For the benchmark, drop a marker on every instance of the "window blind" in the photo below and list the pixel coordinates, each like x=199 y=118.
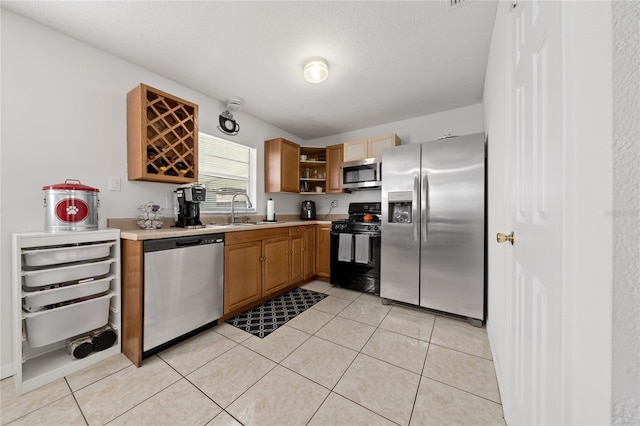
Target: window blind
x=225 y=168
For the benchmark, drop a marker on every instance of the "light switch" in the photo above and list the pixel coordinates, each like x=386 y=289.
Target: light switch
x=114 y=183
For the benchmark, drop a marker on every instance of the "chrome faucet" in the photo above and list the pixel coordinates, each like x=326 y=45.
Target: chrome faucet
x=248 y=205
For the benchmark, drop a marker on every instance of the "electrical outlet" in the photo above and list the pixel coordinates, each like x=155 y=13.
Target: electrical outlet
x=334 y=203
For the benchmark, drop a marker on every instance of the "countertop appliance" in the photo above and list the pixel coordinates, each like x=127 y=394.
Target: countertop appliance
x=308 y=210
x=433 y=240
x=183 y=288
x=187 y=199
x=362 y=174
x=355 y=249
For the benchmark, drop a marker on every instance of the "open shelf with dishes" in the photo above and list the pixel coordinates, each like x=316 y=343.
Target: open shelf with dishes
x=162 y=136
x=313 y=170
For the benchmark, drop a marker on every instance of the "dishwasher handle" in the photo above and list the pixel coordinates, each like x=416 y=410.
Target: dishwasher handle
x=189 y=243
x=181 y=242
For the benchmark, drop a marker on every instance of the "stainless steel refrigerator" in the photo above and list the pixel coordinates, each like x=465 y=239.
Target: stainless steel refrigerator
x=433 y=225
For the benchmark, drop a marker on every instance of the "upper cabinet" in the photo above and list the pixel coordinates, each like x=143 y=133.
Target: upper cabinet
x=313 y=169
x=334 y=162
x=281 y=166
x=289 y=167
x=367 y=148
x=162 y=137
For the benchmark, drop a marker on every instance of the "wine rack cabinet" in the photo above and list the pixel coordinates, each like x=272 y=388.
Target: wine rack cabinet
x=162 y=137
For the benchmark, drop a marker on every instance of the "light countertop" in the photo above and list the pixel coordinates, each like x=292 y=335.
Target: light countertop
x=130 y=231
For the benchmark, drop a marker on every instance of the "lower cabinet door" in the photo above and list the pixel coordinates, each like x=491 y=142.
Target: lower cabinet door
x=309 y=254
x=242 y=274
x=297 y=258
x=323 y=251
x=275 y=264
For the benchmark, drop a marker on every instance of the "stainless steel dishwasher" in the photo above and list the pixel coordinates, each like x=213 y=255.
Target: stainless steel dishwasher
x=183 y=287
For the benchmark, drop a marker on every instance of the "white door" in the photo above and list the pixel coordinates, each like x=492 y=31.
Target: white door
x=534 y=394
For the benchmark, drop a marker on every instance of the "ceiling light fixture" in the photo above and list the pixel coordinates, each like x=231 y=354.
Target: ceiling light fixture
x=316 y=70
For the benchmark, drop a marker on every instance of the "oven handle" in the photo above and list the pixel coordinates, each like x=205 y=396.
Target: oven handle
x=414 y=203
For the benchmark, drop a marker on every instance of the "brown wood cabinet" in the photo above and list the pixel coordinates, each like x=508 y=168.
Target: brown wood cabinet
x=275 y=264
x=303 y=253
x=132 y=253
x=323 y=250
x=256 y=267
x=242 y=274
x=309 y=252
x=334 y=174
x=289 y=167
x=281 y=161
x=297 y=254
x=162 y=137
x=313 y=169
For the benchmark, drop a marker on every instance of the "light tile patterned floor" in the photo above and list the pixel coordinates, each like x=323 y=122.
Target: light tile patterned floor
x=349 y=360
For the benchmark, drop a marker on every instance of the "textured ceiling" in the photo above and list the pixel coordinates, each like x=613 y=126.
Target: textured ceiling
x=388 y=60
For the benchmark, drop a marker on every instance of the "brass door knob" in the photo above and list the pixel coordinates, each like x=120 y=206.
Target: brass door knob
x=502 y=238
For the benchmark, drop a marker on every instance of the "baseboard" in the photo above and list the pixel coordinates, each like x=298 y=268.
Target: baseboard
x=6 y=370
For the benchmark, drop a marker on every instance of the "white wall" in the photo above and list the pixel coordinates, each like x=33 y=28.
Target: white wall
x=496 y=108
x=626 y=213
x=64 y=116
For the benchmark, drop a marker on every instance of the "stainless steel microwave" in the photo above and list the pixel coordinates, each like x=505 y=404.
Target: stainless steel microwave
x=362 y=174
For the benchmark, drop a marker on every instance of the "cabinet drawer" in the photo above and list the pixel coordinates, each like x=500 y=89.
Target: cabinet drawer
x=239 y=237
x=57 y=255
x=65 y=274
x=57 y=324
x=33 y=300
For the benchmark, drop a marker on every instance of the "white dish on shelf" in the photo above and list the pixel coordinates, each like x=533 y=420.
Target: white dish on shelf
x=65 y=254
x=63 y=274
x=36 y=299
x=54 y=325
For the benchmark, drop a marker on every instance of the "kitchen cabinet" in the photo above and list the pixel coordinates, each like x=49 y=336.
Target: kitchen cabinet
x=334 y=157
x=313 y=169
x=66 y=285
x=243 y=274
x=289 y=167
x=303 y=241
x=256 y=267
x=323 y=250
x=162 y=137
x=281 y=166
x=367 y=148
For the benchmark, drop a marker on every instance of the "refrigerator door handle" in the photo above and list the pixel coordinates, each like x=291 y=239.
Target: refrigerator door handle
x=424 y=207
x=414 y=208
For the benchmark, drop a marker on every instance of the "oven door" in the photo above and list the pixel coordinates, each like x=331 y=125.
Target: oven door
x=355 y=261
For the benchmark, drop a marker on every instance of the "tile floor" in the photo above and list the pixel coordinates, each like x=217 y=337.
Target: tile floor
x=349 y=360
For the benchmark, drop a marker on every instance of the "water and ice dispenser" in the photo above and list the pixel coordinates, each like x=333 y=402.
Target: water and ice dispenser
x=400 y=207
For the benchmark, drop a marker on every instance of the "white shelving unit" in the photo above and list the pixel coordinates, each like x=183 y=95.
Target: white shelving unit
x=56 y=267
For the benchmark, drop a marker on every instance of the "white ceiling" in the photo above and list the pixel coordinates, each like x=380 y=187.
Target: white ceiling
x=388 y=60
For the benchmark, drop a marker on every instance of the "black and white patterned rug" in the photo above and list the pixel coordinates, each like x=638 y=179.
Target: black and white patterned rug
x=272 y=314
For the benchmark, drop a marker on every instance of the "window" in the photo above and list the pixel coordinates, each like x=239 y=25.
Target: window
x=226 y=168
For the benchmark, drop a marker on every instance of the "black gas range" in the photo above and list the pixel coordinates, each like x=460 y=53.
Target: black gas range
x=355 y=248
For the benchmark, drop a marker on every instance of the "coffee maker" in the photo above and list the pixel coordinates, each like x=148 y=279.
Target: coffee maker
x=187 y=200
